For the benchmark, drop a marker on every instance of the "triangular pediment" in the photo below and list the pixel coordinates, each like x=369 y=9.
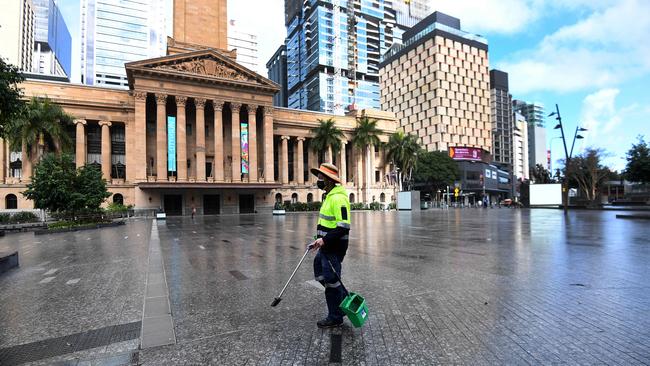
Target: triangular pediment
x=208 y=65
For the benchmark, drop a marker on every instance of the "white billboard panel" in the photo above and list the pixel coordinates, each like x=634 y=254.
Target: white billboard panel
x=545 y=194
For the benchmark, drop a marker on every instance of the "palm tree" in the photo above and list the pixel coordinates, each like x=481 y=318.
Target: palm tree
x=364 y=138
x=40 y=127
x=326 y=137
x=402 y=151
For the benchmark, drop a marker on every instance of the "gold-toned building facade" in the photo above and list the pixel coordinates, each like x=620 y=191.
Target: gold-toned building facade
x=438 y=85
x=200 y=108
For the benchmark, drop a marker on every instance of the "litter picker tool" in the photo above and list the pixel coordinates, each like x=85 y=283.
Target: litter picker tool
x=277 y=300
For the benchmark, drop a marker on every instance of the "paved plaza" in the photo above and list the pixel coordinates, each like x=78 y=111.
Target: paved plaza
x=459 y=286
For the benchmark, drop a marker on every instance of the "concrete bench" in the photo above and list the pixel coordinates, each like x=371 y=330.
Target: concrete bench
x=8 y=261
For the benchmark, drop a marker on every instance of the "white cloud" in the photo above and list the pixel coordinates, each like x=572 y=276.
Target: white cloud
x=494 y=16
x=606 y=48
x=599 y=114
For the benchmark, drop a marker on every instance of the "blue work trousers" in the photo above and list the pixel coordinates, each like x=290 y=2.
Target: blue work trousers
x=334 y=290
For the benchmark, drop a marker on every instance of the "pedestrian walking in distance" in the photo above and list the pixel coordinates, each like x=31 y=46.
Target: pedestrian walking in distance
x=332 y=241
x=193 y=212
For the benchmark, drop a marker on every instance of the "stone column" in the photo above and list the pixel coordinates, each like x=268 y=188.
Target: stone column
x=285 y=160
x=252 y=143
x=200 y=139
x=161 y=137
x=268 y=144
x=218 y=140
x=358 y=167
x=80 y=140
x=26 y=174
x=139 y=169
x=301 y=162
x=181 y=139
x=312 y=157
x=106 y=149
x=3 y=161
x=371 y=166
x=342 y=166
x=236 y=142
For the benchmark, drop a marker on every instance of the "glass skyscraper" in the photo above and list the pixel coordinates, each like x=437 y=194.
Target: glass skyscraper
x=333 y=50
x=52 y=40
x=114 y=32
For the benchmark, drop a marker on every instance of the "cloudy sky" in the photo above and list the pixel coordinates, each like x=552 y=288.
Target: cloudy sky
x=591 y=57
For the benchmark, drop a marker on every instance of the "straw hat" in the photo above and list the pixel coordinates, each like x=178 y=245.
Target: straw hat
x=328 y=170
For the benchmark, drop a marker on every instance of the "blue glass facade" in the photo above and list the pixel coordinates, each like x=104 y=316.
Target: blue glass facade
x=52 y=35
x=333 y=50
x=116 y=32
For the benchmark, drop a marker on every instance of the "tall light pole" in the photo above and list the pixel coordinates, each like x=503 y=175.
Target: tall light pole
x=565 y=183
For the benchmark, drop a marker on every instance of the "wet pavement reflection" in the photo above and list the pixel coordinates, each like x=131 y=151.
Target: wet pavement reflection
x=459 y=286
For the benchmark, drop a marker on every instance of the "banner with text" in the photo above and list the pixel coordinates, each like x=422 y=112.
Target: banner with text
x=244 y=147
x=171 y=143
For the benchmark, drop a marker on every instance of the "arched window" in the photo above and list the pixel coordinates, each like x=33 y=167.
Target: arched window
x=294 y=198
x=278 y=198
x=310 y=197
x=118 y=198
x=11 y=202
x=351 y=197
x=382 y=198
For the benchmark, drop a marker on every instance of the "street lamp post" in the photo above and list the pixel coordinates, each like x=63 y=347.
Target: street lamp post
x=567 y=154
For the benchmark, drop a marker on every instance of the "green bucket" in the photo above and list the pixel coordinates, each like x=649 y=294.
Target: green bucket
x=354 y=306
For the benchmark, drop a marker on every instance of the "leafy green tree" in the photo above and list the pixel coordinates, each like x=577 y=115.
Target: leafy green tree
x=436 y=170
x=540 y=175
x=326 y=137
x=588 y=171
x=402 y=151
x=60 y=188
x=52 y=184
x=638 y=162
x=42 y=127
x=365 y=137
x=11 y=104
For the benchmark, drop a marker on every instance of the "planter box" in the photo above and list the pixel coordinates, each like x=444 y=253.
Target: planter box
x=161 y=216
x=279 y=212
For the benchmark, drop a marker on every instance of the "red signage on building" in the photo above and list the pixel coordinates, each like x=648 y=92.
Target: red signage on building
x=466 y=153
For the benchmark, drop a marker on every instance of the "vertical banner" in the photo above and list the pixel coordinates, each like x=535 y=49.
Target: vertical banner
x=171 y=143
x=244 y=147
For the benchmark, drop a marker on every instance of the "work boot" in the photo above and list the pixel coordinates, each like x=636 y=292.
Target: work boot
x=329 y=323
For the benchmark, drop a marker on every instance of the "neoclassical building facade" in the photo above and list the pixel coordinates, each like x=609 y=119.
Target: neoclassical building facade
x=197 y=130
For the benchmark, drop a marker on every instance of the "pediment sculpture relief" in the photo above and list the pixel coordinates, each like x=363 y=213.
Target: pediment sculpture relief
x=207 y=67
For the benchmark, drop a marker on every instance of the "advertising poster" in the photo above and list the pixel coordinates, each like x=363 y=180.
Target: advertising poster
x=465 y=153
x=244 y=147
x=171 y=143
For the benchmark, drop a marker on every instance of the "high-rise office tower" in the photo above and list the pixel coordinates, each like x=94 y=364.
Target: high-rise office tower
x=520 y=167
x=17 y=33
x=534 y=115
x=333 y=52
x=114 y=32
x=532 y=112
x=52 y=40
x=407 y=14
x=245 y=43
x=501 y=118
x=437 y=84
x=277 y=70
